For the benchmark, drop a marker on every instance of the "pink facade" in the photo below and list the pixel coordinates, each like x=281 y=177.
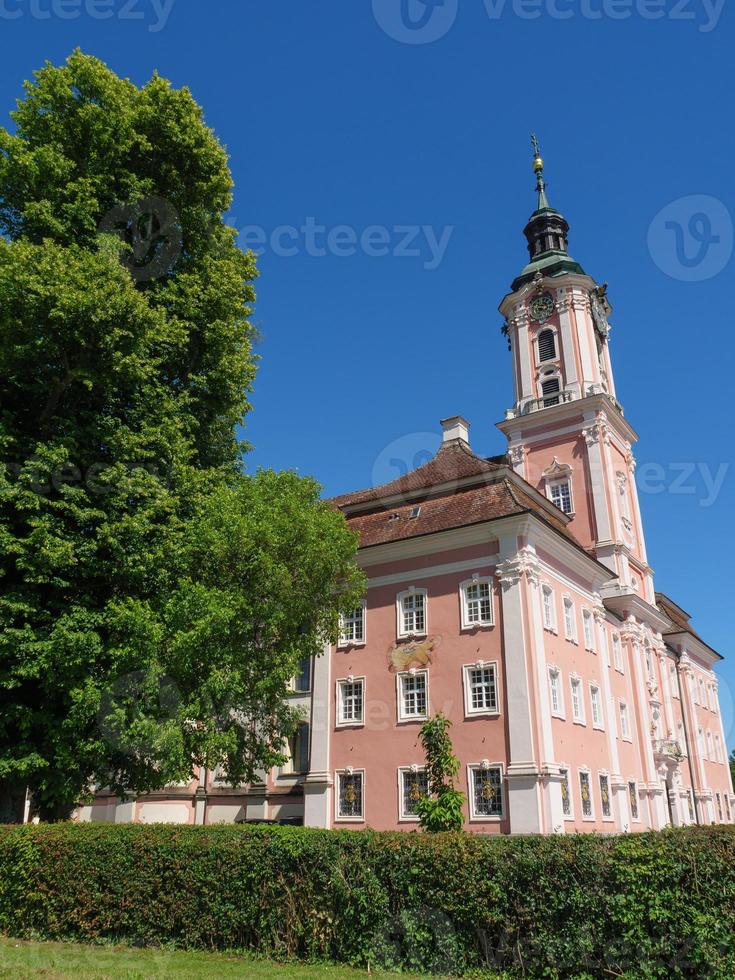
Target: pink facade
x=515 y=596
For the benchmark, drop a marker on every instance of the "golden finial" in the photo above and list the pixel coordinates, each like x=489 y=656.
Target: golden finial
x=538 y=163
x=538 y=169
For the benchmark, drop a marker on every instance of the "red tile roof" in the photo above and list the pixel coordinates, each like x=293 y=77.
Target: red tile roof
x=441 y=495
x=454 y=461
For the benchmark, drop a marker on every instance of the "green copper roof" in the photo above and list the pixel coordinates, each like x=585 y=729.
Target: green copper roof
x=548 y=264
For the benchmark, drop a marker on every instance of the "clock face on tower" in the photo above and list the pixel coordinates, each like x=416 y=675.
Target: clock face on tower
x=541 y=307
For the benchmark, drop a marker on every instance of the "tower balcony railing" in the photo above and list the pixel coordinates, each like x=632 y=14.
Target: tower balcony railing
x=537 y=404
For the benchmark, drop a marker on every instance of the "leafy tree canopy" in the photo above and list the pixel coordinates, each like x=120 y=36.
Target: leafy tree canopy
x=154 y=600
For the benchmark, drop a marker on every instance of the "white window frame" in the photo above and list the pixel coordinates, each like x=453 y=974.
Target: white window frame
x=575 y=681
x=591 y=818
x=346 y=641
x=467 y=623
x=483 y=817
x=588 y=629
x=624 y=712
x=563 y=767
x=548 y=608
x=570 y=619
x=599 y=725
x=604 y=774
x=342 y=722
x=718 y=748
x=617 y=646
x=467 y=685
x=412 y=592
x=702 y=693
x=403 y=718
x=339 y=773
x=674 y=681
x=402 y=772
x=710 y=746
x=700 y=742
x=552 y=485
x=555 y=672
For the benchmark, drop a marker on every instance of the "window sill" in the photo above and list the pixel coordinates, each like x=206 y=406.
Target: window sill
x=551 y=629
x=559 y=716
x=411 y=636
x=351 y=645
x=486 y=819
x=349 y=724
x=474 y=627
x=599 y=728
x=413 y=719
x=579 y=721
x=349 y=819
x=482 y=713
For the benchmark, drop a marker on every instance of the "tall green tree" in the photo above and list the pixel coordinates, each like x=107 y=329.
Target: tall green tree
x=442 y=808
x=154 y=600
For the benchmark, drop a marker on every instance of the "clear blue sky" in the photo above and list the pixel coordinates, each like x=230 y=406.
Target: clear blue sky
x=329 y=115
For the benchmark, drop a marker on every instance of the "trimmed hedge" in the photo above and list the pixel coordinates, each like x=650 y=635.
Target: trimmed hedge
x=648 y=905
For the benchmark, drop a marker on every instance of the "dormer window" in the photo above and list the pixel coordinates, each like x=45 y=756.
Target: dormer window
x=546 y=345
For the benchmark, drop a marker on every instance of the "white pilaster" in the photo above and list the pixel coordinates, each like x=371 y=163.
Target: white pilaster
x=318 y=782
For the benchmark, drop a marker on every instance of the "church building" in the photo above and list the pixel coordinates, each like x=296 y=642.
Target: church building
x=514 y=594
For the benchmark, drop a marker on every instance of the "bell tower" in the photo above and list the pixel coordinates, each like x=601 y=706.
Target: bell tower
x=567 y=431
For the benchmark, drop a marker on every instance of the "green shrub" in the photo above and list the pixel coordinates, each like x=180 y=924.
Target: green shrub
x=639 y=906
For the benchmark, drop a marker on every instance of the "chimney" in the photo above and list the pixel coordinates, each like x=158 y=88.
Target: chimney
x=455 y=429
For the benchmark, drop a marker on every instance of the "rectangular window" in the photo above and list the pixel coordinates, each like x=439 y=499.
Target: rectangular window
x=702 y=695
x=414 y=784
x=674 y=681
x=477 y=603
x=557 y=707
x=633 y=795
x=710 y=753
x=718 y=749
x=617 y=652
x=561 y=495
x=302 y=680
x=570 y=628
x=700 y=743
x=719 y=807
x=486 y=791
x=690 y=803
x=727 y=807
x=548 y=606
x=577 y=703
x=589 y=640
x=585 y=792
x=681 y=739
x=351 y=701
x=624 y=721
x=412 y=613
x=298 y=750
x=566 y=798
x=481 y=689
x=350 y=795
x=596 y=703
x=412 y=696
x=605 y=796
x=352 y=627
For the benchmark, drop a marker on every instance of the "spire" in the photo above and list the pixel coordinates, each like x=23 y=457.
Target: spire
x=538 y=169
x=546 y=233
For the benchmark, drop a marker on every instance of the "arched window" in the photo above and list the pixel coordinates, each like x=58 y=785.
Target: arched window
x=546 y=345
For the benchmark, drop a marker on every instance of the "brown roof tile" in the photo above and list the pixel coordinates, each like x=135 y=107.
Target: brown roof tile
x=454 y=461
